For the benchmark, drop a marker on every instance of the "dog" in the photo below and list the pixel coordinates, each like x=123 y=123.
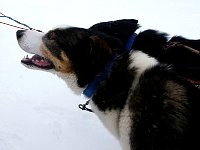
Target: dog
x=141 y=94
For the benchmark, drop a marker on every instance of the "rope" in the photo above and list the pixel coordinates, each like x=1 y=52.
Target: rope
x=13 y=25
x=25 y=25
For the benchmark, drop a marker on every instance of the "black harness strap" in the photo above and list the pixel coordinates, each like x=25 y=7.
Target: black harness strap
x=195 y=82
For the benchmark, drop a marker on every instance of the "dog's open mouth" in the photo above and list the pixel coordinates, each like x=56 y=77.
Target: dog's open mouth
x=38 y=61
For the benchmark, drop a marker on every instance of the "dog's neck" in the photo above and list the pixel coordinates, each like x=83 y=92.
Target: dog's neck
x=71 y=81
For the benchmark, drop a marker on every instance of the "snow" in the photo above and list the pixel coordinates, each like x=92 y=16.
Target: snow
x=37 y=110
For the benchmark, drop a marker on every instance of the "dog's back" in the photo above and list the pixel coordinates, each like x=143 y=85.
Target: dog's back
x=164 y=112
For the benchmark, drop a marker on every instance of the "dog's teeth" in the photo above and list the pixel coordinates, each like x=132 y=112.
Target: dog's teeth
x=25 y=58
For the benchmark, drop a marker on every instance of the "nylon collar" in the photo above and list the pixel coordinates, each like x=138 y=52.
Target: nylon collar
x=92 y=86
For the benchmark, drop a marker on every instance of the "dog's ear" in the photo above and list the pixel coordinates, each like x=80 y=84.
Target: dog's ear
x=122 y=29
x=98 y=52
x=100 y=48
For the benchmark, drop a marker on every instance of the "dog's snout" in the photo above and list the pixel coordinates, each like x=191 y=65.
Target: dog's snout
x=20 y=33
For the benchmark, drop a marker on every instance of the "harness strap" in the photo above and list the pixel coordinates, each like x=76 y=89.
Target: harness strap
x=195 y=82
x=92 y=86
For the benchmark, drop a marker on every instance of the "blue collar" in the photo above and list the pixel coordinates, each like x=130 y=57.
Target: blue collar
x=92 y=86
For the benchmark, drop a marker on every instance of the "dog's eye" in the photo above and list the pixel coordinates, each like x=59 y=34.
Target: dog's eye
x=51 y=36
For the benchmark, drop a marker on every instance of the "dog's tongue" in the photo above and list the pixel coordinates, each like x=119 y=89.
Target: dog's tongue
x=37 y=61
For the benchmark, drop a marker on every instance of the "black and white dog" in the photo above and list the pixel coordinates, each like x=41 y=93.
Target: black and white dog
x=142 y=96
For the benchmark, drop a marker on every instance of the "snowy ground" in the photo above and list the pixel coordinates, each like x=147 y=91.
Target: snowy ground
x=37 y=110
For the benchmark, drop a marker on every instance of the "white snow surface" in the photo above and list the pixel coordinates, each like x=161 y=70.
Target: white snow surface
x=37 y=110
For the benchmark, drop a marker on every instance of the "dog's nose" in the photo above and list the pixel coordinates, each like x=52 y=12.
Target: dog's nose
x=20 y=33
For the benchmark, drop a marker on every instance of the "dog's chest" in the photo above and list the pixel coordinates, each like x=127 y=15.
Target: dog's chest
x=117 y=121
x=110 y=118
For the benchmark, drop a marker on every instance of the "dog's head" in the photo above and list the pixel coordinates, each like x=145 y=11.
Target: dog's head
x=82 y=52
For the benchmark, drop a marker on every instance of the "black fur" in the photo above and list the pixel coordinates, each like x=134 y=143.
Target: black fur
x=114 y=90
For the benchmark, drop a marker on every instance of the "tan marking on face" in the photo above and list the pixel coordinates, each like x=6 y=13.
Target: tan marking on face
x=63 y=65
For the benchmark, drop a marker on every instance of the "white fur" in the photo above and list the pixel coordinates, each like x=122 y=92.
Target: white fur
x=31 y=42
x=118 y=123
x=109 y=118
x=125 y=127
x=62 y=26
x=71 y=81
x=141 y=61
